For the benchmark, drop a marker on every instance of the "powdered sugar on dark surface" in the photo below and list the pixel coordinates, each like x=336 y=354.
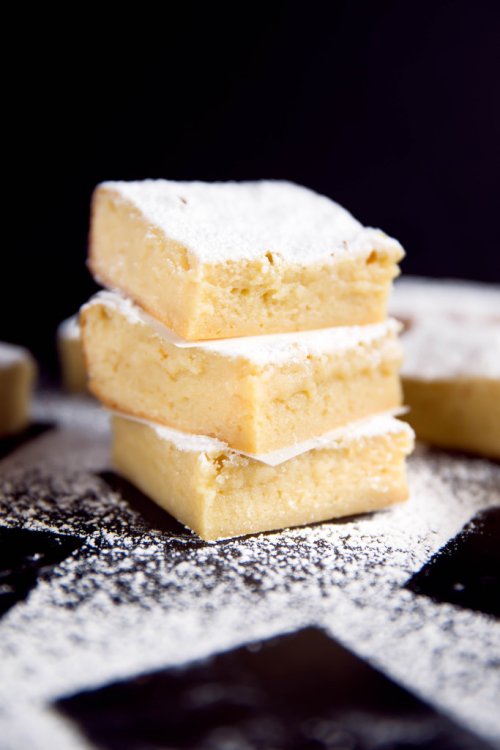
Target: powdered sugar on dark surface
x=142 y=593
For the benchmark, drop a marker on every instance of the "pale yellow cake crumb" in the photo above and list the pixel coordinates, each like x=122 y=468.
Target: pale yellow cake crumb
x=218 y=493
x=257 y=394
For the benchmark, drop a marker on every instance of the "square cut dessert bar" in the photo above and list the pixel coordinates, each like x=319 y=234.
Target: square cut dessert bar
x=219 y=260
x=71 y=361
x=257 y=394
x=451 y=371
x=219 y=493
x=17 y=376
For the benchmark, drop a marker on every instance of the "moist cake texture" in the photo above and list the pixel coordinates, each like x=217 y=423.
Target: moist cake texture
x=218 y=260
x=451 y=370
x=17 y=375
x=257 y=394
x=218 y=493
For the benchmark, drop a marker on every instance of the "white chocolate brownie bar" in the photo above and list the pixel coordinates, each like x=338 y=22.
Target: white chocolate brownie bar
x=71 y=361
x=17 y=375
x=219 y=260
x=451 y=372
x=257 y=394
x=219 y=493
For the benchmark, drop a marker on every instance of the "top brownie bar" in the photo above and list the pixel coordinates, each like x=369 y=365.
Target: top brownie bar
x=218 y=260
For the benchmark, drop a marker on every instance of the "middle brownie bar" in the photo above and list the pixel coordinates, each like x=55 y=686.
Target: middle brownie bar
x=257 y=394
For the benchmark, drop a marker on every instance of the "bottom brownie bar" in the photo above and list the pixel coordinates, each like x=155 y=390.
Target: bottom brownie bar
x=71 y=360
x=17 y=375
x=451 y=371
x=220 y=493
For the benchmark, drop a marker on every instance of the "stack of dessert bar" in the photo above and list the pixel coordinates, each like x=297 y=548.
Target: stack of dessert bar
x=71 y=362
x=451 y=373
x=17 y=378
x=245 y=353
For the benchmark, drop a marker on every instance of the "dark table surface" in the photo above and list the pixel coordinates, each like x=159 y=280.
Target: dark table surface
x=121 y=629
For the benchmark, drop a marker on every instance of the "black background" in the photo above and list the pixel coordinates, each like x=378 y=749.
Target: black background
x=390 y=108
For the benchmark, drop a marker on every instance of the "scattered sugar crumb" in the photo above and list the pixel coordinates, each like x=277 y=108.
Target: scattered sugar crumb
x=138 y=597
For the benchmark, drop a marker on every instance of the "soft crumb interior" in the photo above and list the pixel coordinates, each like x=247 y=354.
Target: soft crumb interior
x=252 y=408
x=270 y=296
x=318 y=485
x=224 y=495
x=133 y=370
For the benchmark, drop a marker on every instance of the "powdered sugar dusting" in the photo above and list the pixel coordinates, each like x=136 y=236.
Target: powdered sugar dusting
x=270 y=348
x=423 y=297
x=11 y=354
x=244 y=220
x=380 y=424
x=453 y=328
x=451 y=349
x=142 y=595
x=69 y=328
